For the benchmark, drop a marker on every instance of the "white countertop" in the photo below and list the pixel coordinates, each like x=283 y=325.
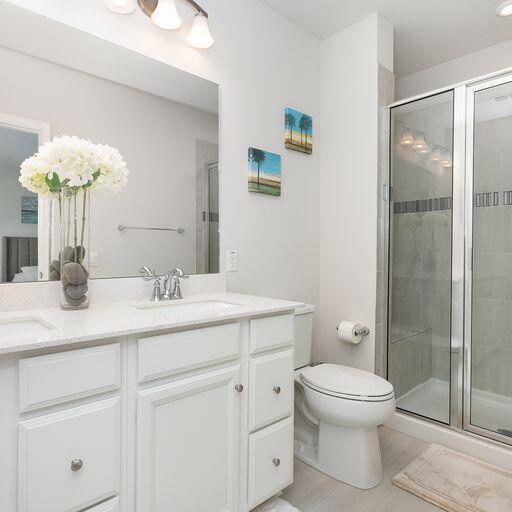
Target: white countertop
x=107 y=320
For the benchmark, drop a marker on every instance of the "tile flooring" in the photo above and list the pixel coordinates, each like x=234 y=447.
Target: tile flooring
x=313 y=491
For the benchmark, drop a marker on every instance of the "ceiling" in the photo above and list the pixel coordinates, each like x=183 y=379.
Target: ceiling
x=427 y=32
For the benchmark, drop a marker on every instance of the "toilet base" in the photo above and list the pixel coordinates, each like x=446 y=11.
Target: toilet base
x=351 y=455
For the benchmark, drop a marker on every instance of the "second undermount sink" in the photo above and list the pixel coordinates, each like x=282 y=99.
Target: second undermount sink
x=198 y=307
x=22 y=328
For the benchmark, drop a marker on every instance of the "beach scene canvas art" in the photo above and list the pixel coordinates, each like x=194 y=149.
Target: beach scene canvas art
x=298 y=133
x=264 y=172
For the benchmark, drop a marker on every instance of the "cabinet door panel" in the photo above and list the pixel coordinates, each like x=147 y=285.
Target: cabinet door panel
x=270 y=461
x=188 y=433
x=271 y=388
x=71 y=459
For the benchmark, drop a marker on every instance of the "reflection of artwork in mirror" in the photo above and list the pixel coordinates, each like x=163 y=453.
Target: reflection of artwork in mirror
x=28 y=210
x=163 y=121
x=298 y=133
x=264 y=172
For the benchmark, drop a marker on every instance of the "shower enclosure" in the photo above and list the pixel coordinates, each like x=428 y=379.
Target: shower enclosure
x=449 y=340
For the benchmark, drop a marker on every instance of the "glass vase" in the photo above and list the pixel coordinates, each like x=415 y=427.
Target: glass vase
x=74 y=248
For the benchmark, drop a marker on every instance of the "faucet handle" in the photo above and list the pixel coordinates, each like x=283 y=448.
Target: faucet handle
x=157 y=292
x=146 y=273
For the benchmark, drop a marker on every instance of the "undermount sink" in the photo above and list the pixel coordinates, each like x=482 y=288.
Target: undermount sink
x=27 y=327
x=199 y=307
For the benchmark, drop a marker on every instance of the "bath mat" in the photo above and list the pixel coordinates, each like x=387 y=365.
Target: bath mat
x=275 y=505
x=456 y=482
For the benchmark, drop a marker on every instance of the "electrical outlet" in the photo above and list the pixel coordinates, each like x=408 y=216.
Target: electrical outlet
x=231 y=260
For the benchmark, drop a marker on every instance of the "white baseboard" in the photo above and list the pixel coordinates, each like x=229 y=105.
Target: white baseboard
x=489 y=451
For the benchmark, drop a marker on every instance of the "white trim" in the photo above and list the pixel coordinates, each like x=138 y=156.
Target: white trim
x=43 y=131
x=464 y=442
x=466 y=83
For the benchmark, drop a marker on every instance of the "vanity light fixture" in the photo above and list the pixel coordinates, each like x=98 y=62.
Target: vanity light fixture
x=419 y=142
x=436 y=155
x=165 y=15
x=407 y=138
x=504 y=9
x=120 y=6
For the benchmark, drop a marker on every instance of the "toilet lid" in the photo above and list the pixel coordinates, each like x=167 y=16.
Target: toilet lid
x=343 y=380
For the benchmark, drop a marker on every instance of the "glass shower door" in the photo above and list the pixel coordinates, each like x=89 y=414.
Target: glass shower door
x=420 y=271
x=488 y=399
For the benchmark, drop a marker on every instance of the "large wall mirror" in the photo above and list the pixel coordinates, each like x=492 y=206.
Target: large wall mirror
x=59 y=81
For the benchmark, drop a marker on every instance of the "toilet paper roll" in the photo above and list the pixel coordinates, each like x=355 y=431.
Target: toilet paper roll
x=347 y=332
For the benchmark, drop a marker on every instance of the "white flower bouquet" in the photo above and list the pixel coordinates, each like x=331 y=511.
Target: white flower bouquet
x=67 y=170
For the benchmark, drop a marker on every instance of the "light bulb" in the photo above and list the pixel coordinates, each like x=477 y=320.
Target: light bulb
x=120 y=6
x=424 y=149
x=166 y=15
x=200 y=35
x=436 y=155
x=407 y=138
x=504 y=9
x=419 y=142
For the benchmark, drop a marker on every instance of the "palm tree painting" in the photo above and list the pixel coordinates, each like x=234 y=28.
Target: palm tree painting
x=298 y=131
x=264 y=172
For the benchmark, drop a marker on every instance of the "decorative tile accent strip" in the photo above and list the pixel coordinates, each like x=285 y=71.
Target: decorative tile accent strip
x=481 y=200
x=423 y=205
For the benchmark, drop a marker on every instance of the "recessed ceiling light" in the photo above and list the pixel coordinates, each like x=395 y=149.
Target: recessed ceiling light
x=504 y=9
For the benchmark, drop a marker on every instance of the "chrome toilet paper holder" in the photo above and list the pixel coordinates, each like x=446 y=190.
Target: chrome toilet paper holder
x=364 y=331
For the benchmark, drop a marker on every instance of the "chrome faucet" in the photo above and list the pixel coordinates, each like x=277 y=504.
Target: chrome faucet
x=173 y=283
x=150 y=275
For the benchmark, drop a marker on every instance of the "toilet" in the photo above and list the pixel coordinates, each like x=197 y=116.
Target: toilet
x=337 y=412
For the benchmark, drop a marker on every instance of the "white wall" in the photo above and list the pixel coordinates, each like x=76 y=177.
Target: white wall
x=263 y=64
x=348 y=186
x=472 y=65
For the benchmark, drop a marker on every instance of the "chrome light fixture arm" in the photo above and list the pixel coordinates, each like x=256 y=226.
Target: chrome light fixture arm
x=149 y=6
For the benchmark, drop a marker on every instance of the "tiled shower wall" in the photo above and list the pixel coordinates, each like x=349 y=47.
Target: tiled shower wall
x=492 y=258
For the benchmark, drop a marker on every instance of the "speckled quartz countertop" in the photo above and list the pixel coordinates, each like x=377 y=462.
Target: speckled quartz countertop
x=55 y=327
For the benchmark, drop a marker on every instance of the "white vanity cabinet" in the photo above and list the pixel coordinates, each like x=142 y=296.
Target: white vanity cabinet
x=196 y=419
x=187 y=444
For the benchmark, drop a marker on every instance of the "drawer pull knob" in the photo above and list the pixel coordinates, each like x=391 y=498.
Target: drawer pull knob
x=277 y=389
x=239 y=388
x=276 y=462
x=76 y=464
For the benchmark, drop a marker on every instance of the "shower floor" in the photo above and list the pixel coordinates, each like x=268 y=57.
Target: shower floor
x=431 y=399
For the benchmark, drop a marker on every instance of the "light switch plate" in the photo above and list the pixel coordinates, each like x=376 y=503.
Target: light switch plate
x=231 y=260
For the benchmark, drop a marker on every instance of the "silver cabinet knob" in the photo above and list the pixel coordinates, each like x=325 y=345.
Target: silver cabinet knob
x=239 y=388
x=76 y=464
x=277 y=389
x=276 y=462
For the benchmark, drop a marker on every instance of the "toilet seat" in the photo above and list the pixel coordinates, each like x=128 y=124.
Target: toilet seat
x=347 y=383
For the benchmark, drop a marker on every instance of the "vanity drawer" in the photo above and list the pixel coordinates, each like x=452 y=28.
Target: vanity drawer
x=107 y=506
x=69 y=460
x=270 y=461
x=167 y=354
x=55 y=378
x=271 y=332
x=270 y=388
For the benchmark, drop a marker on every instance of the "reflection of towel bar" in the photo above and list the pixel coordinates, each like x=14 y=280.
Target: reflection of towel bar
x=121 y=228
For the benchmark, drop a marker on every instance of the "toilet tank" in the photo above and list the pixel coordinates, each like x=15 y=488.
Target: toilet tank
x=303 y=334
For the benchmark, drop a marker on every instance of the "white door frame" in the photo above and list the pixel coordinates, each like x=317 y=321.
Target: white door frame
x=43 y=131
